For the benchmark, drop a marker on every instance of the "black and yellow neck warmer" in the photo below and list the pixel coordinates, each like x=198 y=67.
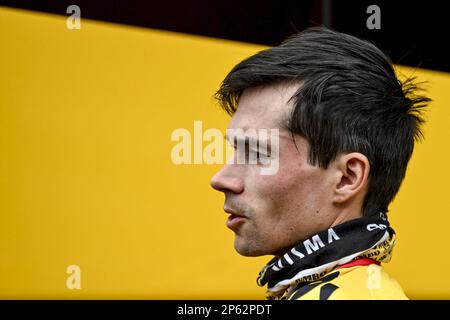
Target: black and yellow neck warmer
x=315 y=257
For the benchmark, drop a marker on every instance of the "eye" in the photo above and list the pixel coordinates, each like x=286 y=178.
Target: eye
x=250 y=152
x=262 y=158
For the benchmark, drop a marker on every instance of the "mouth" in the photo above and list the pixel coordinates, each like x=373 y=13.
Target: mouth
x=235 y=220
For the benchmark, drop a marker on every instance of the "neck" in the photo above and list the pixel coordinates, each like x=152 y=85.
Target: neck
x=346 y=215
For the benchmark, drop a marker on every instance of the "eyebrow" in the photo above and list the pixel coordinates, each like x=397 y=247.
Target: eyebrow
x=247 y=139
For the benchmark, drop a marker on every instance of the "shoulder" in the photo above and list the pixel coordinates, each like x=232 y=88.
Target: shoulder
x=356 y=283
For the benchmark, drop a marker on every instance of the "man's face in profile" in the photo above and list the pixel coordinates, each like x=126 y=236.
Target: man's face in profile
x=271 y=213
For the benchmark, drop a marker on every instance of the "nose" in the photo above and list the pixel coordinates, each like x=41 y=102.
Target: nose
x=227 y=180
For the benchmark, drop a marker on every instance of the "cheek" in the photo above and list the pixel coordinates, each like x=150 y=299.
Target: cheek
x=294 y=189
x=295 y=186
x=272 y=194
x=293 y=176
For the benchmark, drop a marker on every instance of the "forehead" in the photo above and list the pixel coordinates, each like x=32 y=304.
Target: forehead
x=263 y=106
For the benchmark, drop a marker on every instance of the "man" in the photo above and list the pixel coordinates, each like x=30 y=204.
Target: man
x=347 y=128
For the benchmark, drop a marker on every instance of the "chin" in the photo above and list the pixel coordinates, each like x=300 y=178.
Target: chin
x=248 y=250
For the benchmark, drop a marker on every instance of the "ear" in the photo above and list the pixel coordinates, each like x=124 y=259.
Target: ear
x=352 y=174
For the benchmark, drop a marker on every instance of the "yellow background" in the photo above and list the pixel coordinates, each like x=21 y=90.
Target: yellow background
x=86 y=176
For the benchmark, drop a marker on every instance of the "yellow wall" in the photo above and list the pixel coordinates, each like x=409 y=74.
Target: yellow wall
x=86 y=176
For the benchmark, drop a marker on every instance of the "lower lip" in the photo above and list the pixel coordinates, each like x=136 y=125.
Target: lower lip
x=234 y=221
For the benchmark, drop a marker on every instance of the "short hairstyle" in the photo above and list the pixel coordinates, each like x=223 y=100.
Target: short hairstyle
x=349 y=100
